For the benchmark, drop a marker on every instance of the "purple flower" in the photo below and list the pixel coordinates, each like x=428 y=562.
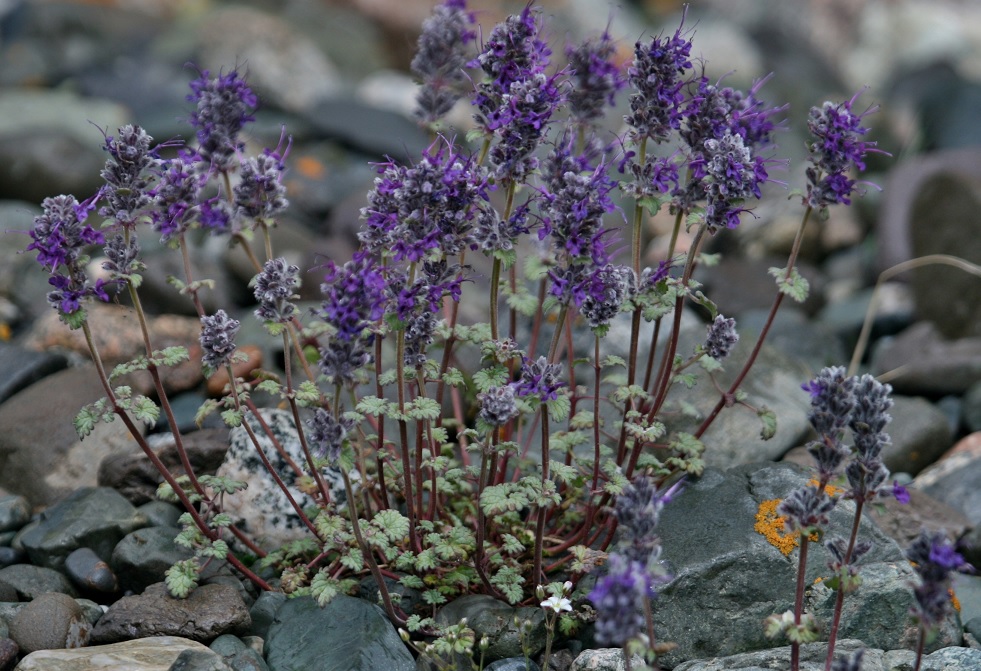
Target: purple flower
x=638 y=510
x=498 y=406
x=595 y=78
x=540 y=379
x=122 y=258
x=836 y=149
x=722 y=337
x=658 y=78
x=275 y=288
x=354 y=297
x=832 y=400
x=127 y=175
x=430 y=205
x=867 y=473
x=806 y=508
x=218 y=339
x=525 y=111
x=619 y=600
x=900 y=493
x=327 y=434
x=60 y=234
x=731 y=175
x=441 y=56
x=176 y=195
x=223 y=106
x=607 y=289
x=934 y=559
x=260 y=193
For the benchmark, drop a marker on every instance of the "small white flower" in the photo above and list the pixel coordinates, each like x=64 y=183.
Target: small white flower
x=557 y=604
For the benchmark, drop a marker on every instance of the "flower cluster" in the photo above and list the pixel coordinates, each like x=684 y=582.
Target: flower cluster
x=935 y=560
x=836 y=149
x=127 y=173
x=498 y=406
x=176 y=195
x=595 y=78
x=327 y=433
x=59 y=237
x=275 y=289
x=223 y=106
x=260 y=193
x=832 y=402
x=218 y=339
x=722 y=337
x=441 y=56
x=540 y=379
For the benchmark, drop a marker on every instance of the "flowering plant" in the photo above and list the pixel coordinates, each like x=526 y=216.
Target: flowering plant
x=475 y=457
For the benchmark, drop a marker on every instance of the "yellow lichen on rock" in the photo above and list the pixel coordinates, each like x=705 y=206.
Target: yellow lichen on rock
x=773 y=527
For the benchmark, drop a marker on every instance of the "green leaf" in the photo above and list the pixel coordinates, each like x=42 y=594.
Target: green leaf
x=687 y=379
x=423 y=408
x=507 y=257
x=373 y=406
x=323 y=588
x=353 y=559
x=74 y=320
x=426 y=560
x=393 y=524
x=307 y=394
x=85 y=421
x=412 y=581
x=506 y=497
x=170 y=356
x=558 y=408
x=794 y=286
x=271 y=387
x=611 y=360
x=769 y=419
x=651 y=203
x=453 y=377
x=232 y=417
x=208 y=407
x=217 y=549
x=495 y=376
x=511 y=545
x=145 y=410
x=509 y=582
x=182 y=578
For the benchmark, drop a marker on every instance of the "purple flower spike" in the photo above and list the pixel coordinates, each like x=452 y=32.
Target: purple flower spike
x=127 y=175
x=934 y=559
x=260 y=193
x=900 y=493
x=619 y=600
x=497 y=405
x=837 y=148
x=595 y=78
x=223 y=106
x=440 y=59
x=218 y=339
x=722 y=337
x=540 y=379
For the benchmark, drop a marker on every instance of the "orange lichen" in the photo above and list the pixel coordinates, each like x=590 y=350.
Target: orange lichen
x=830 y=490
x=773 y=527
x=954 y=601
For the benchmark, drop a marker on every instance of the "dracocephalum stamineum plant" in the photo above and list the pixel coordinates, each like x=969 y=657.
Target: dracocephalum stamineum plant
x=489 y=455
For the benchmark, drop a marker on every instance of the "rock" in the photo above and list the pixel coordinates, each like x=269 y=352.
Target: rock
x=718 y=560
x=409 y=600
x=813 y=656
x=134 y=476
x=284 y=66
x=41 y=456
x=894 y=312
x=23 y=367
x=8 y=593
x=208 y=612
x=813 y=343
x=32 y=581
x=967 y=589
x=903 y=523
x=93 y=517
x=50 y=143
x=261 y=510
x=144 y=654
x=347 y=634
x=160 y=513
x=604 y=659
x=15 y=512
x=368 y=129
x=48 y=622
x=738 y=284
x=922 y=362
x=945 y=214
x=117 y=335
x=199 y=660
x=971 y=409
x=89 y=572
x=513 y=664
x=954 y=478
x=495 y=619
x=8 y=654
x=10 y=556
x=263 y=612
x=237 y=655
x=142 y=557
x=920 y=433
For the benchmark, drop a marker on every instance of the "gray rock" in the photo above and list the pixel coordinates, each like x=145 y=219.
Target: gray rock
x=261 y=509
x=89 y=572
x=604 y=659
x=7 y=592
x=513 y=664
x=920 y=433
x=160 y=513
x=967 y=589
x=32 y=581
x=263 y=612
x=921 y=361
x=954 y=478
x=93 y=517
x=368 y=129
x=346 y=635
x=812 y=342
x=8 y=653
x=23 y=367
x=495 y=619
x=199 y=660
x=945 y=216
x=15 y=512
x=50 y=142
x=812 y=659
x=723 y=565
x=971 y=409
x=145 y=654
x=10 y=556
x=208 y=612
x=237 y=655
x=41 y=457
x=50 y=621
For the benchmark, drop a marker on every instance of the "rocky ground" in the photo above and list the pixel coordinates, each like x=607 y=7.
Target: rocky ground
x=83 y=546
